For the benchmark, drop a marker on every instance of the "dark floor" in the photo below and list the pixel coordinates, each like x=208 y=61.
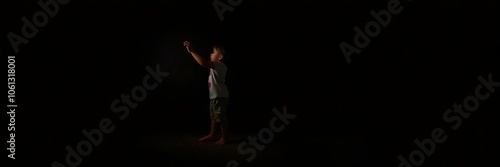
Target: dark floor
x=184 y=150
x=290 y=149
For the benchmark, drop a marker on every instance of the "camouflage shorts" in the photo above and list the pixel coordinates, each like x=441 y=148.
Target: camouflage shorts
x=218 y=109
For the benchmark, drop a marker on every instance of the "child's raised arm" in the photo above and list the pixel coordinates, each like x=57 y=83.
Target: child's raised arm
x=203 y=62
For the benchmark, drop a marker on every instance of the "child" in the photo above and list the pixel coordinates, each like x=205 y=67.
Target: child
x=218 y=91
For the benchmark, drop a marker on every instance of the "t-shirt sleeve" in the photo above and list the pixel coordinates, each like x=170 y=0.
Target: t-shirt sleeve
x=218 y=66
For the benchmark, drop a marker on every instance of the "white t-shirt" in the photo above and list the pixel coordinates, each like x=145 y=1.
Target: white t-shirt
x=217 y=81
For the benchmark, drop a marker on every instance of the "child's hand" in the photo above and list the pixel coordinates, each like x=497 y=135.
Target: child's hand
x=188 y=46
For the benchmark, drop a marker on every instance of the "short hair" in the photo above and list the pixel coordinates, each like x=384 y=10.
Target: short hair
x=221 y=48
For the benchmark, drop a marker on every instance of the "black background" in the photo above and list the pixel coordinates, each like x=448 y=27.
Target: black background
x=281 y=53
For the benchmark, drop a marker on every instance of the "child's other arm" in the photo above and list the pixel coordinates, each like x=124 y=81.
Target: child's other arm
x=203 y=62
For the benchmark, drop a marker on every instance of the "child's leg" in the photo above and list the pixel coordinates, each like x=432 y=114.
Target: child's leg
x=214 y=118
x=210 y=136
x=223 y=103
x=223 y=130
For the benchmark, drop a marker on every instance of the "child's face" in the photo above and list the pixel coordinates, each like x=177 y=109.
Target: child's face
x=216 y=55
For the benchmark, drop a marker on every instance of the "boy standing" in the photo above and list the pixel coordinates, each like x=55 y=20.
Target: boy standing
x=218 y=91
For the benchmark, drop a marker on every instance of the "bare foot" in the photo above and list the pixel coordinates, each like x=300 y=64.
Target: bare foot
x=206 y=138
x=221 y=141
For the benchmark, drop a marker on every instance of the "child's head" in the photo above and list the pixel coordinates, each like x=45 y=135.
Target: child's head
x=218 y=53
